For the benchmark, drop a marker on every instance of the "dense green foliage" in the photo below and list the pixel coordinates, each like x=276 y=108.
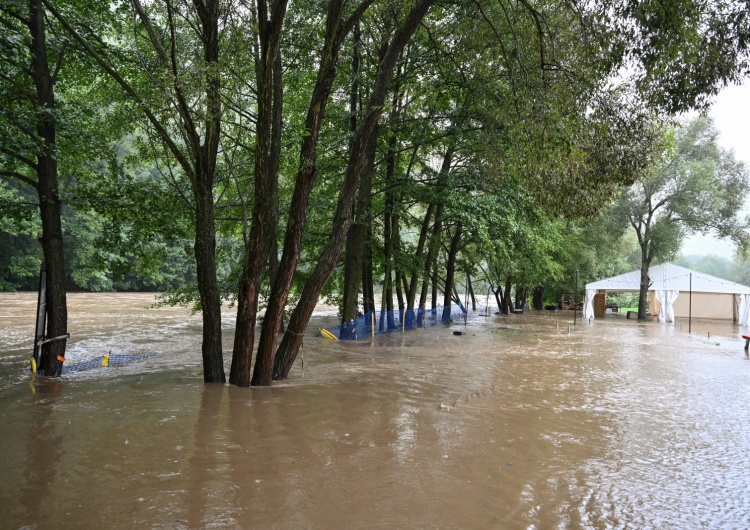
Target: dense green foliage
x=694 y=186
x=734 y=270
x=223 y=150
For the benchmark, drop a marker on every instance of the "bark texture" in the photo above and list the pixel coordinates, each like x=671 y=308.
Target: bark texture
x=53 y=353
x=291 y=342
x=265 y=207
x=336 y=31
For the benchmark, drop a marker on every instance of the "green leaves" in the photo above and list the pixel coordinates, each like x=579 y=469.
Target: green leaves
x=684 y=50
x=695 y=186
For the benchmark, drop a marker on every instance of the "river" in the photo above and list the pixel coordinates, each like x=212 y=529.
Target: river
x=515 y=424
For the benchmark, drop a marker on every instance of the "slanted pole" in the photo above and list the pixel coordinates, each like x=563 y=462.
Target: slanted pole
x=41 y=319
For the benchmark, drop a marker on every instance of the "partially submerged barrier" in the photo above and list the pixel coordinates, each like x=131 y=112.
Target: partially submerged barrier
x=104 y=361
x=379 y=322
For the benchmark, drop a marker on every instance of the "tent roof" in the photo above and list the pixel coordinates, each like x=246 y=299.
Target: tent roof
x=668 y=276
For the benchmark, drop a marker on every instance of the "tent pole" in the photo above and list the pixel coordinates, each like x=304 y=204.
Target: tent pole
x=575 y=301
x=466 y=299
x=690 y=305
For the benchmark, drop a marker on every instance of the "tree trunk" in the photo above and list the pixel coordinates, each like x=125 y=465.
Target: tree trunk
x=471 y=292
x=430 y=268
x=205 y=161
x=355 y=240
x=450 y=271
x=200 y=164
x=389 y=235
x=53 y=353
x=265 y=208
x=399 y=293
x=507 y=301
x=386 y=303
x=520 y=297
x=434 y=280
x=498 y=297
x=430 y=264
x=388 y=297
x=368 y=291
x=538 y=298
x=208 y=289
x=277 y=125
x=336 y=31
x=273 y=270
x=290 y=344
x=412 y=291
x=457 y=298
x=645 y=284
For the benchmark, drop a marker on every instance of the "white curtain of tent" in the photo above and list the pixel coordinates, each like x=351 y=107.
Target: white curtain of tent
x=588 y=307
x=744 y=309
x=666 y=298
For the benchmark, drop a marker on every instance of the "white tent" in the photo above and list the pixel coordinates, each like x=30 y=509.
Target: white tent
x=676 y=292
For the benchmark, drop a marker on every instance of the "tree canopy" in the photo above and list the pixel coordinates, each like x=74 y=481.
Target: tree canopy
x=269 y=153
x=694 y=186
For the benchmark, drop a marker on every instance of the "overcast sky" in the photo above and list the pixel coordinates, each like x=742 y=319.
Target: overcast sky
x=731 y=115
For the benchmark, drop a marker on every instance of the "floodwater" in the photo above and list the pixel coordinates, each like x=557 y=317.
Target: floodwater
x=517 y=423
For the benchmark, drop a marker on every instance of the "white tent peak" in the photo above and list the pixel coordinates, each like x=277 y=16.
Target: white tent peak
x=670 y=277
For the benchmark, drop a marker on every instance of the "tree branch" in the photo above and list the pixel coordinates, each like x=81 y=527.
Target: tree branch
x=15 y=15
x=540 y=34
x=20 y=158
x=21 y=127
x=182 y=105
x=153 y=37
x=19 y=176
x=109 y=69
x=347 y=26
x=58 y=64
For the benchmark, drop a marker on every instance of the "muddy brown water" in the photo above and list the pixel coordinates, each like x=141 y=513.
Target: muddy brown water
x=513 y=424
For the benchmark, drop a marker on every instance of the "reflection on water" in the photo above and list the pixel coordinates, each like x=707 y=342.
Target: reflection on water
x=514 y=424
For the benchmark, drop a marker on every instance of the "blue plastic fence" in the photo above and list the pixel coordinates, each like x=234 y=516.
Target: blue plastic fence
x=97 y=362
x=379 y=322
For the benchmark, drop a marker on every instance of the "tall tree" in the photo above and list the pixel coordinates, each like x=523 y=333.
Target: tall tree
x=186 y=118
x=338 y=26
x=265 y=208
x=28 y=146
x=291 y=342
x=696 y=186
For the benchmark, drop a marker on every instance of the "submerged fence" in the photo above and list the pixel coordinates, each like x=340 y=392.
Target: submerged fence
x=378 y=322
x=111 y=359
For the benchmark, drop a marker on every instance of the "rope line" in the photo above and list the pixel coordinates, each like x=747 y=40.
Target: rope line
x=45 y=341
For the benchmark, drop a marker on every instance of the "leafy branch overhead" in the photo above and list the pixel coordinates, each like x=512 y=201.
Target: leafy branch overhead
x=269 y=153
x=694 y=186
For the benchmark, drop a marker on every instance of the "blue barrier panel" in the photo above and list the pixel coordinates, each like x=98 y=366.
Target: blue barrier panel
x=399 y=320
x=99 y=362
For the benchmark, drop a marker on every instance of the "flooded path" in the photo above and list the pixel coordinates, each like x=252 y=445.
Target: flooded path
x=514 y=424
